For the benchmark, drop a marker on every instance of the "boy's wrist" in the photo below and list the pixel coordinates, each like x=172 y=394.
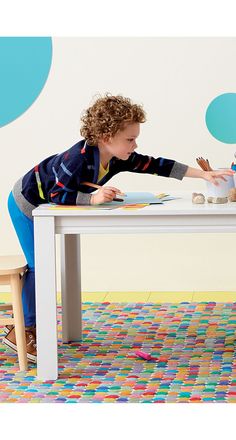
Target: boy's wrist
x=92 y=200
x=195 y=172
x=202 y=173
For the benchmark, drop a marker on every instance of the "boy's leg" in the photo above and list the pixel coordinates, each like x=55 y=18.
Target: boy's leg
x=25 y=232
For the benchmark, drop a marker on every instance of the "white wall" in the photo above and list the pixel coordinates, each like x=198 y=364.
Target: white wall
x=175 y=79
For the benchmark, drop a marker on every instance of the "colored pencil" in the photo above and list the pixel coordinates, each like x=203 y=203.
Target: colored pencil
x=95 y=185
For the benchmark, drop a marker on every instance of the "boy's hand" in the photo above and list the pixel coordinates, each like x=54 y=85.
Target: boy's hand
x=105 y=194
x=212 y=176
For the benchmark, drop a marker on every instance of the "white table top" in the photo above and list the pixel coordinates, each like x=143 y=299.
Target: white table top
x=181 y=206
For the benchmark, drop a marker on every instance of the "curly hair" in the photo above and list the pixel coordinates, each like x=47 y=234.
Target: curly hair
x=108 y=115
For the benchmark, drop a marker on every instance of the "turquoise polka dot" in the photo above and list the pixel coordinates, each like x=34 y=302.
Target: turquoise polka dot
x=221 y=118
x=25 y=65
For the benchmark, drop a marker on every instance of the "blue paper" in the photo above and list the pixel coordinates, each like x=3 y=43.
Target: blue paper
x=136 y=197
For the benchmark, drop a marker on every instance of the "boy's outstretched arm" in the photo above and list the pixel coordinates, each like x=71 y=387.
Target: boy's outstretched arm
x=139 y=163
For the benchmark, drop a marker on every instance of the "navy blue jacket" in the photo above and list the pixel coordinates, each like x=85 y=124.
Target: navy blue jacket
x=57 y=179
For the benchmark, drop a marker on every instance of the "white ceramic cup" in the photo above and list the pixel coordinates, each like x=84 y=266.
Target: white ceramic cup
x=221 y=190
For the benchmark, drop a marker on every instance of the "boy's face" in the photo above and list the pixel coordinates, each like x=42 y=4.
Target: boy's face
x=123 y=143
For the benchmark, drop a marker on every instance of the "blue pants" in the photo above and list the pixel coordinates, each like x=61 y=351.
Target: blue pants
x=24 y=228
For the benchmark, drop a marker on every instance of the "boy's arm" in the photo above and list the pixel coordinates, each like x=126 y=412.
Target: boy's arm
x=138 y=163
x=67 y=179
x=67 y=196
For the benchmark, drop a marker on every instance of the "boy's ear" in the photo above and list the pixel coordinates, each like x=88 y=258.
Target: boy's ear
x=105 y=138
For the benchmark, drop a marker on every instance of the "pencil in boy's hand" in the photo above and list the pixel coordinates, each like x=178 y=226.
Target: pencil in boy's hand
x=95 y=185
x=121 y=194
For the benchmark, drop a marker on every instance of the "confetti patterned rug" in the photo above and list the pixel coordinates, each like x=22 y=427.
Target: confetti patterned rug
x=193 y=343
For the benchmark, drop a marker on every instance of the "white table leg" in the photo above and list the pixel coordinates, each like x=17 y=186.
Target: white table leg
x=71 y=288
x=45 y=280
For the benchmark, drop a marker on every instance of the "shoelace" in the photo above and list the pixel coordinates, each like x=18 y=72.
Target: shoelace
x=31 y=341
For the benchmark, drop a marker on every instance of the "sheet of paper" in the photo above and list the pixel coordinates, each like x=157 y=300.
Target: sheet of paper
x=136 y=197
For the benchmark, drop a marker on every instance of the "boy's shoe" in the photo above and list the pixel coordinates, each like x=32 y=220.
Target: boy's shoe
x=7 y=328
x=30 y=335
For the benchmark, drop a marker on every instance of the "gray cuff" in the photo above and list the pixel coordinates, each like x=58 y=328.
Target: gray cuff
x=25 y=206
x=178 y=171
x=83 y=199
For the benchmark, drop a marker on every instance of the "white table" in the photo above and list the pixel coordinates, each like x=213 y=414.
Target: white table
x=173 y=216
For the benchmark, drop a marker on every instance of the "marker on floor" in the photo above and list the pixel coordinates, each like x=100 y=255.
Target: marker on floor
x=144 y=355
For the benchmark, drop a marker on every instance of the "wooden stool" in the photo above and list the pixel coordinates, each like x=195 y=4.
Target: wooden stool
x=12 y=267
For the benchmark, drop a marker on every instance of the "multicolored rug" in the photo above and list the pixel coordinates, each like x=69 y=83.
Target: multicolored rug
x=194 y=344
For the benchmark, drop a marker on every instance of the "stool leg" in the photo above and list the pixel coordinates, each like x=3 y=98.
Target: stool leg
x=16 y=289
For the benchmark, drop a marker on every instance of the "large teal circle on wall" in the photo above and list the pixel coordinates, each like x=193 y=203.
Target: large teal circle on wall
x=24 y=67
x=221 y=118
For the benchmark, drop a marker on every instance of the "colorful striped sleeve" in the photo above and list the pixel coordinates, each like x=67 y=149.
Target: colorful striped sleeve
x=66 y=180
x=138 y=163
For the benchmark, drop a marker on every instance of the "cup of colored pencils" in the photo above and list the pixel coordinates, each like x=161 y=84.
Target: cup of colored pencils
x=221 y=190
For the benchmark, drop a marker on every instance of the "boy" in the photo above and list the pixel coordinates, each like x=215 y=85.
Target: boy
x=110 y=128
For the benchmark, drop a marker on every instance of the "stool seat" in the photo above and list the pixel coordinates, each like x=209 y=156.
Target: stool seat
x=12 y=268
x=10 y=264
